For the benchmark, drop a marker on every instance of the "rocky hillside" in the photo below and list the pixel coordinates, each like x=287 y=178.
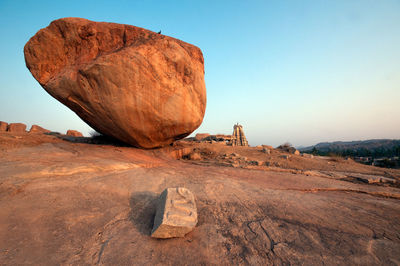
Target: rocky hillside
x=373 y=147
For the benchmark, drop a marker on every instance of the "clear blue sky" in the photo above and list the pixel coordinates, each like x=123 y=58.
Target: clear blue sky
x=297 y=71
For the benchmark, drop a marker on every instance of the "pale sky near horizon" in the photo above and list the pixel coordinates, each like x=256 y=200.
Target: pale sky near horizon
x=297 y=71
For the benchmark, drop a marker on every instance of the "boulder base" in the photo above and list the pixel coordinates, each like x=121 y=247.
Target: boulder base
x=176 y=213
x=140 y=87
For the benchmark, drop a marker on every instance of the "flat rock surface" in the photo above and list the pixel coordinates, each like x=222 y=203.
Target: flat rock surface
x=72 y=204
x=140 y=87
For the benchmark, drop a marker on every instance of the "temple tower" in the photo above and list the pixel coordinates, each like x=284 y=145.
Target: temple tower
x=238 y=138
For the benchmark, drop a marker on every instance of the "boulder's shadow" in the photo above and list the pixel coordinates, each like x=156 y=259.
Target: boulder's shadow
x=96 y=140
x=143 y=209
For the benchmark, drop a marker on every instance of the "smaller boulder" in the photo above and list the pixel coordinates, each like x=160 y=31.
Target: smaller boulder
x=3 y=126
x=256 y=163
x=195 y=156
x=287 y=147
x=176 y=213
x=235 y=164
x=268 y=147
x=16 y=128
x=74 y=133
x=38 y=129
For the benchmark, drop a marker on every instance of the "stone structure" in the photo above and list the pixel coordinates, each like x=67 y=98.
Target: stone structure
x=238 y=138
x=135 y=85
x=176 y=213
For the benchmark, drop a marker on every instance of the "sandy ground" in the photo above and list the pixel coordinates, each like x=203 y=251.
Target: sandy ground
x=67 y=203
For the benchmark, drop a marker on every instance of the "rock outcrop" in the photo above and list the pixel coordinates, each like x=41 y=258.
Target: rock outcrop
x=95 y=205
x=176 y=213
x=3 y=126
x=74 y=133
x=143 y=88
x=16 y=127
x=287 y=147
x=38 y=129
x=200 y=136
x=266 y=150
x=195 y=156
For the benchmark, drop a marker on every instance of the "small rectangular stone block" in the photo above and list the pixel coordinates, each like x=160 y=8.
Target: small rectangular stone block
x=176 y=213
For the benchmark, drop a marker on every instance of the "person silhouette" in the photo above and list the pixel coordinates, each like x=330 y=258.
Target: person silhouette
x=159 y=32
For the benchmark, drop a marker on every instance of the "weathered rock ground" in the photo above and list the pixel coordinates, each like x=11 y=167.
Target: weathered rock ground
x=69 y=203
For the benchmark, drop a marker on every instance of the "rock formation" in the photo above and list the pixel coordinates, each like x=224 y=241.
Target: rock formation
x=3 y=126
x=74 y=133
x=266 y=150
x=16 y=127
x=176 y=213
x=194 y=156
x=38 y=129
x=140 y=87
x=287 y=147
x=238 y=137
x=200 y=136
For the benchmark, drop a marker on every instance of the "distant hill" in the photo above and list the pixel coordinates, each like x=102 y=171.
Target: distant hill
x=371 y=145
x=377 y=152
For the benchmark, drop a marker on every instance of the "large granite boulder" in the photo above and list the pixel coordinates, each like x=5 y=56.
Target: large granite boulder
x=143 y=88
x=176 y=213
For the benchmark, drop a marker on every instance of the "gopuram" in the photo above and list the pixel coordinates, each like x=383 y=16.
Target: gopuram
x=238 y=138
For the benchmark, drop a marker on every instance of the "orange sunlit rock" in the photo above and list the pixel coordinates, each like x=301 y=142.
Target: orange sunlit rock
x=138 y=86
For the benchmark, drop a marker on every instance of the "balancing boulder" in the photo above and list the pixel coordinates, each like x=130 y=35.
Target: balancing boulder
x=143 y=88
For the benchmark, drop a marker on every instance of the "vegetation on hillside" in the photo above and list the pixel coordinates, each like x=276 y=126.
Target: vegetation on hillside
x=384 y=153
